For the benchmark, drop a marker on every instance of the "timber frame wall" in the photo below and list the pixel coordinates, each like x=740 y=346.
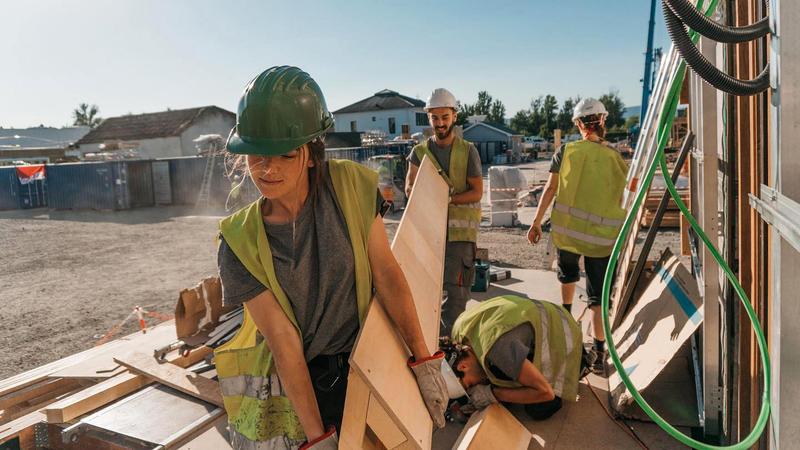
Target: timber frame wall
x=747 y=156
x=748 y=148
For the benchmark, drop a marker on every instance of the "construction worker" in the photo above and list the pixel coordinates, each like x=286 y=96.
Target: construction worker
x=513 y=349
x=459 y=164
x=304 y=259
x=587 y=178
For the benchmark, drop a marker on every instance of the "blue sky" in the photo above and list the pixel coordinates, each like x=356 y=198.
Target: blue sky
x=139 y=56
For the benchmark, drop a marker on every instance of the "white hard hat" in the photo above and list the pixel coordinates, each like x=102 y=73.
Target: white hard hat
x=441 y=98
x=588 y=107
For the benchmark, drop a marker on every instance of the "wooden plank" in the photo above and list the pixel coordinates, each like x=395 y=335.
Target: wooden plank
x=37 y=390
x=379 y=356
x=382 y=425
x=102 y=365
x=493 y=428
x=111 y=389
x=38 y=374
x=174 y=377
x=214 y=437
x=354 y=422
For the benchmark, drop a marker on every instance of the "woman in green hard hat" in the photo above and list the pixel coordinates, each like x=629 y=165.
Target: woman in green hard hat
x=304 y=259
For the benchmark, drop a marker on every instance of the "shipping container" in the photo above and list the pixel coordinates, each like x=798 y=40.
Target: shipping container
x=140 y=183
x=9 y=189
x=93 y=185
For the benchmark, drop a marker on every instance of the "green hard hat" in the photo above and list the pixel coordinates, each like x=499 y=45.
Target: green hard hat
x=280 y=110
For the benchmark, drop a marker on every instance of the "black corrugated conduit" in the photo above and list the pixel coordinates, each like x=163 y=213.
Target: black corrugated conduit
x=702 y=67
x=695 y=20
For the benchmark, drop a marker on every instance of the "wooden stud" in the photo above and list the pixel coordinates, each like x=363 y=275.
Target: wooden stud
x=111 y=389
x=174 y=377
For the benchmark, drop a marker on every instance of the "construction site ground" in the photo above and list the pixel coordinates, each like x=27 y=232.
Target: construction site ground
x=70 y=276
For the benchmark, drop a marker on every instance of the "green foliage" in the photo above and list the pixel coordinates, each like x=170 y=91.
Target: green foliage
x=615 y=107
x=493 y=109
x=86 y=115
x=631 y=122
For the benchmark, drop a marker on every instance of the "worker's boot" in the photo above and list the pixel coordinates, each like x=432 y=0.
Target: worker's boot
x=598 y=365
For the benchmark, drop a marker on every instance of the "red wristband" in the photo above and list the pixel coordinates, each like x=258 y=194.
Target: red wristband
x=438 y=355
x=329 y=433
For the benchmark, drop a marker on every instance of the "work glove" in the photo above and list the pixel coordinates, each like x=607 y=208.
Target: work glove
x=481 y=396
x=431 y=384
x=328 y=441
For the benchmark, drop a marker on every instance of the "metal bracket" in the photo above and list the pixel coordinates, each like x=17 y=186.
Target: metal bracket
x=781 y=212
x=41 y=435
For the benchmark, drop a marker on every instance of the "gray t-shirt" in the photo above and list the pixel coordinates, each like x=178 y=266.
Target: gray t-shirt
x=442 y=155
x=303 y=254
x=509 y=352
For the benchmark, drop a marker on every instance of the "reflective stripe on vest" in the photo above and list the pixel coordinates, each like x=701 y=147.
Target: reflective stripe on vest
x=557 y=337
x=463 y=220
x=259 y=412
x=581 y=214
x=586 y=216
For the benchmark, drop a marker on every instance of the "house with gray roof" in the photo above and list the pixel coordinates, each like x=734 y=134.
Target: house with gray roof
x=158 y=135
x=385 y=112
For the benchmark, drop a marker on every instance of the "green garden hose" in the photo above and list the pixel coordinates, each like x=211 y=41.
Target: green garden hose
x=663 y=130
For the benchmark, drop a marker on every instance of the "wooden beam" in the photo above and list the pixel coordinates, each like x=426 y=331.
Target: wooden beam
x=102 y=365
x=111 y=389
x=379 y=356
x=493 y=428
x=354 y=422
x=174 y=377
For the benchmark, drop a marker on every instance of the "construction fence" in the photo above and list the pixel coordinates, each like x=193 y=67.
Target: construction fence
x=126 y=184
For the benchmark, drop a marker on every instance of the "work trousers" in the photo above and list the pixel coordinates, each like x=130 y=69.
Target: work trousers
x=459 y=275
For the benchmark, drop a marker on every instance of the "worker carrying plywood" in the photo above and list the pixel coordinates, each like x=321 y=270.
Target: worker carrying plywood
x=459 y=164
x=517 y=350
x=304 y=259
x=587 y=178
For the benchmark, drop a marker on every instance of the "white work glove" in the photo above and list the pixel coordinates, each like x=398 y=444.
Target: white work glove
x=481 y=396
x=328 y=441
x=432 y=386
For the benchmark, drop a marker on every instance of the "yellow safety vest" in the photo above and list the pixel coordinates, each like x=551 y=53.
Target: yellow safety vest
x=258 y=410
x=586 y=216
x=464 y=220
x=558 y=338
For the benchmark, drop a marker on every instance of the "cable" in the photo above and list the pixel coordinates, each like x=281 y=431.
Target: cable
x=704 y=68
x=695 y=20
x=629 y=431
x=665 y=125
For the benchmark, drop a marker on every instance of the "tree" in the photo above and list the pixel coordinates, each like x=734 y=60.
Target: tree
x=548 y=114
x=631 y=121
x=493 y=109
x=497 y=113
x=86 y=115
x=521 y=122
x=615 y=107
x=564 y=118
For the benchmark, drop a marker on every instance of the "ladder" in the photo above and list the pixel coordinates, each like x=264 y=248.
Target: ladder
x=204 y=196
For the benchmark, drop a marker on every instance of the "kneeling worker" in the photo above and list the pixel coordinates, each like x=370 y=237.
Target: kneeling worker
x=513 y=349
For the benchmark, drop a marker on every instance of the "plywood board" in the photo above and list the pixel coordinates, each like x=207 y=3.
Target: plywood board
x=493 y=428
x=380 y=354
x=111 y=389
x=382 y=425
x=174 y=377
x=356 y=405
x=667 y=314
x=102 y=365
x=213 y=438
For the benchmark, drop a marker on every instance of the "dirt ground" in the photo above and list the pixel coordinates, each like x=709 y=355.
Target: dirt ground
x=68 y=277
